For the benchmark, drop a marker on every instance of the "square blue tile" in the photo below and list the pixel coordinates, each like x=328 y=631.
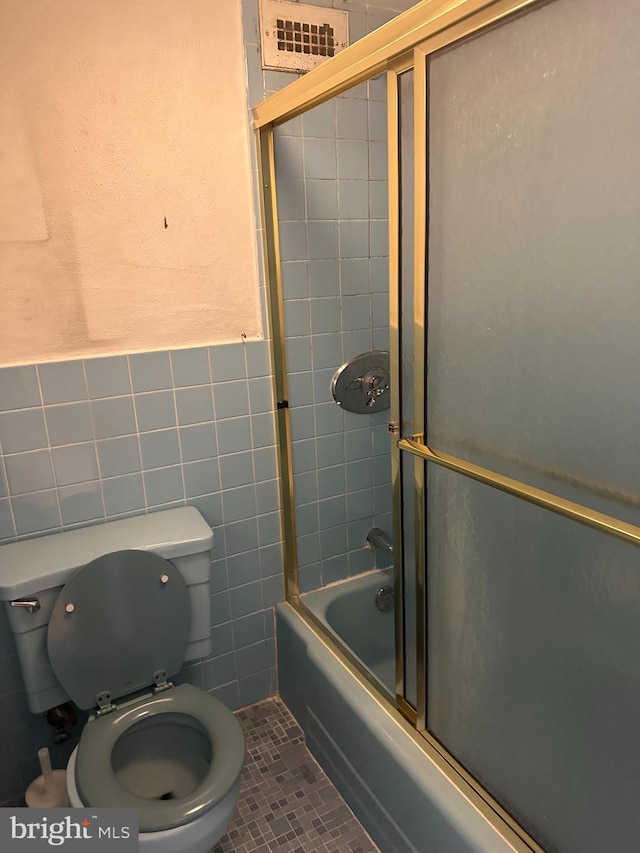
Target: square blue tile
x=334 y=569
x=21 y=430
x=325 y=316
x=269 y=531
x=81 y=502
x=220 y=609
x=302 y=422
x=7 y=527
x=329 y=418
x=119 y=456
x=75 y=463
x=288 y=157
x=319 y=158
x=241 y=536
x=150 y=371
x=112 y=417
x=290 y=199
x=155 y=410
x=359 y=504
x=353 y=199
x=160 y=449
x=379 y=238
x=190 y=367
x=354 y=238
x=62 y=382
x=107 y=377
x=323 y=352
x=245 y=599
x=251 y=659
x=301 y=389
x=198 y=442
x=261 y=395
x=308 y=549
x=244 y=568
x=123 y=494
x=354 y=276
x=359 y=474
x=194 y=405
x=248 y=629
x=296 y=318
x=353 y=160
x=68 y=424
x=229 y=695
x=378 y=161
x=29 y=472
x=356 y=313
x=293 y=241
x=331 y=481
x=163 y=485
x=239 y=503
x=324 y=277
x=303 y=455
x=272 y=590
x=307 y=518
x=236 y=470
x=305 y=486
x=19 y=388
x=352 y=119
x=234 y=435
x=265 y=463
x=298 y=351
x=271 y=559
x=309 y=577
x=227 y=362
x=36 y=513
x=322 y=240
x=322 y=384
x=267 y=496
x=222 y=639
x=322 y=199
x=201 y=478
x=333 y=541
x=358 y=444
x=330 y=450
x=231 y=399
x=295 y=280
x=258 y=356
x=218 y=671
x=332 y=512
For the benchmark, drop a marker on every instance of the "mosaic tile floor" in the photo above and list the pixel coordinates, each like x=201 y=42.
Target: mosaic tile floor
x=287 y=804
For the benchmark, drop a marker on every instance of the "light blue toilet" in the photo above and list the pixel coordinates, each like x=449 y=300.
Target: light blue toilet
x=106 y=615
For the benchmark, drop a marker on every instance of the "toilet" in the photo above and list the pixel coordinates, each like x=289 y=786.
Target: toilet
x=106 y=616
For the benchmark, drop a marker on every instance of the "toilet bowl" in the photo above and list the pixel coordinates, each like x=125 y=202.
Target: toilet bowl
x=108 y=628
x=176 y=759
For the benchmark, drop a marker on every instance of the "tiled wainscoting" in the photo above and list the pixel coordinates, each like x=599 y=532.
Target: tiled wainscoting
x=87 y=441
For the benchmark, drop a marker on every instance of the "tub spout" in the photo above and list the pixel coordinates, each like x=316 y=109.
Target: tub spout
x=377 y=538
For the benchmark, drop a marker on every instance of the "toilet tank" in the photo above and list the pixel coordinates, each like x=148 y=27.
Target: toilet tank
x=39 y=568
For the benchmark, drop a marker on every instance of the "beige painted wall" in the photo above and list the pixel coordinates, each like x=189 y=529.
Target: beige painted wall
x=114 y=115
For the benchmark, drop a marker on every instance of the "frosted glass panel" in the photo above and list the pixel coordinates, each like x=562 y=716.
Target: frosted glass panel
x=534 y=215
x=534 y=671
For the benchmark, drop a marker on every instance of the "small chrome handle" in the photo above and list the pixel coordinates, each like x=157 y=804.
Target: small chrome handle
x=32 y=604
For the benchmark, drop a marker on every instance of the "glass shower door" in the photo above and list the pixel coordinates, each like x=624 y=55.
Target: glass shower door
x=533 y=339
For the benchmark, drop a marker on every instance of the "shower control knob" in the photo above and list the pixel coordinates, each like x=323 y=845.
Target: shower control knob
x=164 y=579
x=70 y=607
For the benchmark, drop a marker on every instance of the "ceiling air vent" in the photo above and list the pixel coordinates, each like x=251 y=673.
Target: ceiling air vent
x=295 y=37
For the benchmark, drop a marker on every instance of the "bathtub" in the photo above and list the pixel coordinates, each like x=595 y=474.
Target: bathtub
x=349 y=610
x=409 y=800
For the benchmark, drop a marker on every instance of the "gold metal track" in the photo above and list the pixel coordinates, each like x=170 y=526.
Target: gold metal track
x=576 y=512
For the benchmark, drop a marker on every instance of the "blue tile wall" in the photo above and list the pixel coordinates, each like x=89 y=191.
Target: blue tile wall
x=88 y=441
x=332 y=209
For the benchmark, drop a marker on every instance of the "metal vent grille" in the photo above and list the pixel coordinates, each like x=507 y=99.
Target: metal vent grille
x=296 y=37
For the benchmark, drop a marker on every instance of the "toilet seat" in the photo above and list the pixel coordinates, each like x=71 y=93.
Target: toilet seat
x=96 y=780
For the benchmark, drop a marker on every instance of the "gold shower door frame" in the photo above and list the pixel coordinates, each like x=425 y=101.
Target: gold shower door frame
x=402 y=44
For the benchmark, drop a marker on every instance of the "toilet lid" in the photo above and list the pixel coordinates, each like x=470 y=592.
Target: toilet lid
x=117 y=623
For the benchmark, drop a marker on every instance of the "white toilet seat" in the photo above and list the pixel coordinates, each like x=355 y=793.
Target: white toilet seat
x=96 y=780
